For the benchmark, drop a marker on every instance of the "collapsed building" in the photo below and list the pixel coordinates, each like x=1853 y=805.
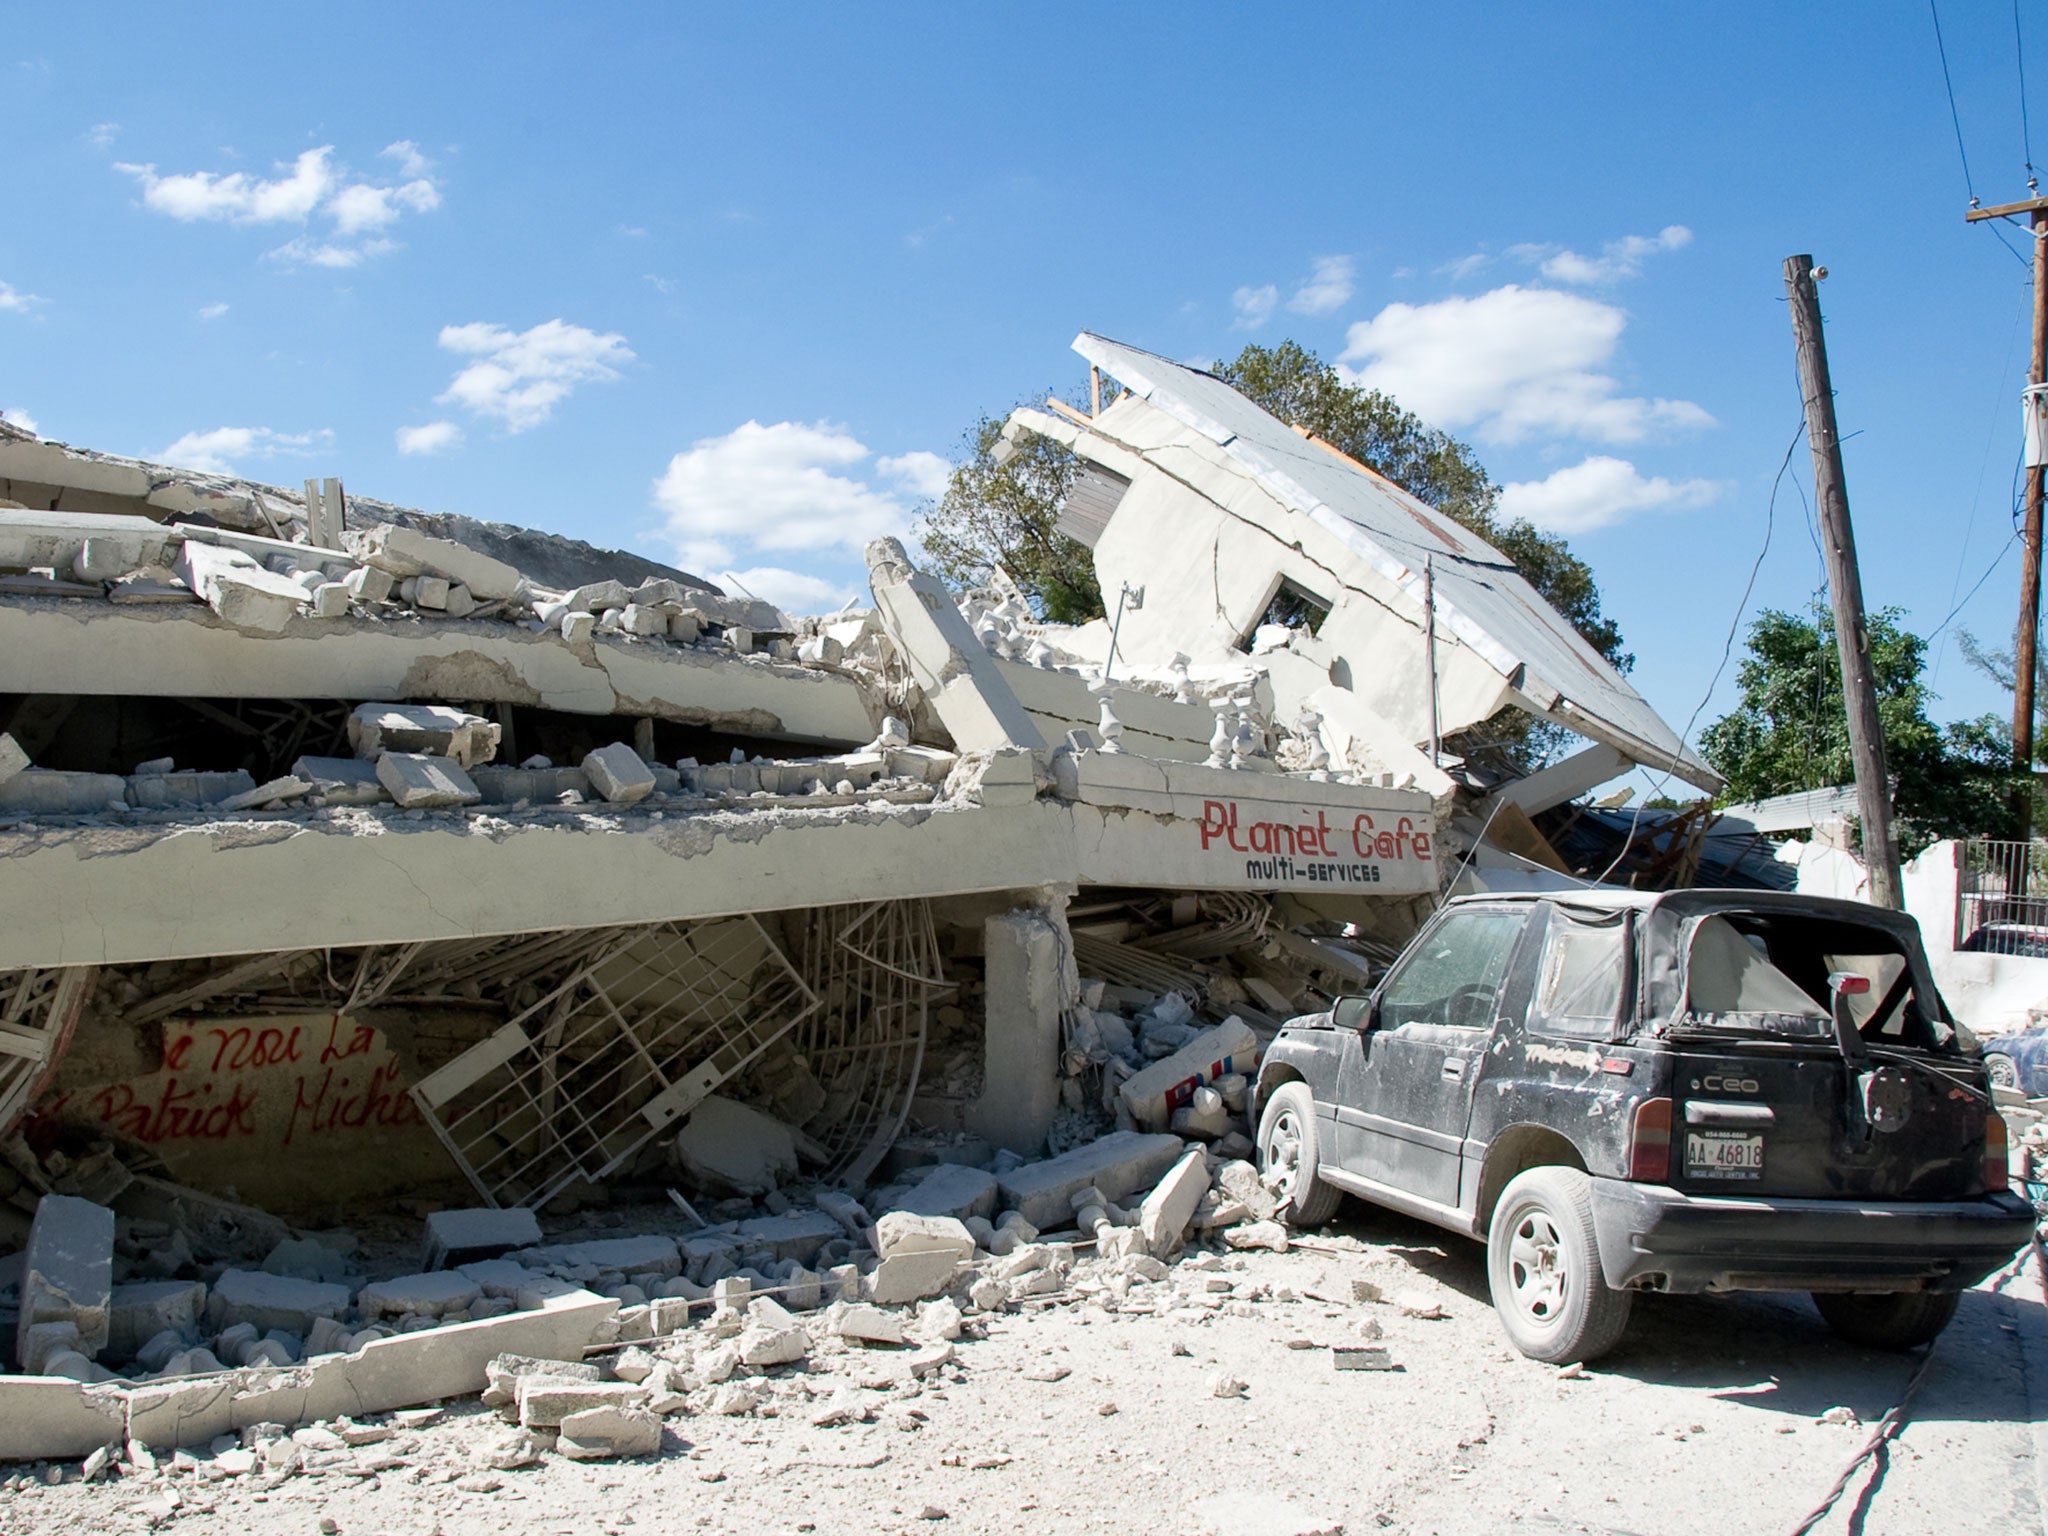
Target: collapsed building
x=352 y=854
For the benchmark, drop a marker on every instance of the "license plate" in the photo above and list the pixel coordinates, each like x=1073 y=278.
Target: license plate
x=1724 y=1154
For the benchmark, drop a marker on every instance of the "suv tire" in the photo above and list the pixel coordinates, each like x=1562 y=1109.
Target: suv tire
x=1543 y=1267
x=1900 y=1320
x=2001 y=1069
x=1290 y=1150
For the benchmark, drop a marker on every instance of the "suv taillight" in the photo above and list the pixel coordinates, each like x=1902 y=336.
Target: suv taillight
x=1996 y=1175
x=1649 y=1150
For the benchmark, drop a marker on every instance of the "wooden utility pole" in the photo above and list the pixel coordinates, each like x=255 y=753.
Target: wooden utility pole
x=2027 y=635
x=1831 y=499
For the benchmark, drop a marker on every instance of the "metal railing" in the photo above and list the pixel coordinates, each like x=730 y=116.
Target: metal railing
x=2002 y=898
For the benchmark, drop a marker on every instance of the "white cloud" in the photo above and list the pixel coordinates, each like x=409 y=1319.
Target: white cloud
x=1329 y=287
x=12 y=298
x=662 y=285
x=520 y=376
x=15 y=416
x=1598 y=492
x=791 y=591
x=411 y=163
x=1510 y=363
x=920 y=473
x=100 y=135
x=1254 y=306
x=1617 y=259
x=434 y=437
x=315 y=184
x=238 y=196
x=782 y=486
x=212 y=311
x=215 y=452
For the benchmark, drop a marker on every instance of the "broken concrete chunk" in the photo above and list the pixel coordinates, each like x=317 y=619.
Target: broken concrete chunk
x=1118 y=1164
x=795 y=1235
x=12 y=758
x=143 y=1310
x=1164 y=1217
x=952 y=1189
x=331 y=600
x=915 y=1276
x=544 y=1401
x=341 y=780
x=902 y=1233
x=366 y=584
x=578 y=627
x=455 y=1238
x=1154 y=1092
x=419 y=782
x=650 y=1255
x=67 y=1276
x=427 y=1295
x=108 y=559
x=237 y=589
x=868 y=1325
x=435 y=729
x=54 y=792
x=286 y=788
x=730 y=1147
x=405 y=552
x=638 y=619
x=460 y=603
x=761 y=1347
x=273 y=1301
x=618 y=773
x=600 y=1434
x=160 y=791
x=598 y=596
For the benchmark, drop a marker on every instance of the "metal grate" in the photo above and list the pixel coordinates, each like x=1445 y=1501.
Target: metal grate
x=876 y=968
x=2002 y=898
x=38 y=1010
x=645 y=1028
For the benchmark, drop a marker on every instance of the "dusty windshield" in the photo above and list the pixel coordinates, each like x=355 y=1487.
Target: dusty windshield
x=1767 y=973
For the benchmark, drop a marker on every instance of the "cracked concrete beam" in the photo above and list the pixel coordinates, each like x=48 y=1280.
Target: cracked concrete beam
x=959 y=677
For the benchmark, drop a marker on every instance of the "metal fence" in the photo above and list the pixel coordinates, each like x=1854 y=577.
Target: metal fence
x=2002 y=898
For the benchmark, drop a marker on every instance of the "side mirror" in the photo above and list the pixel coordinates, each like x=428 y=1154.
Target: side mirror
x=1354 y=1013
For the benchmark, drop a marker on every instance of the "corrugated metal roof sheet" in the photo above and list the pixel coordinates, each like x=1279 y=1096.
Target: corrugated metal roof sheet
x=1480 y=596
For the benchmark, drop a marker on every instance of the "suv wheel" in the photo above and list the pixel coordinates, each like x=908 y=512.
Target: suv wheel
x=1544 y=1269
x=1901 y=1320
x=1289 y=1154
x=2003 y=1073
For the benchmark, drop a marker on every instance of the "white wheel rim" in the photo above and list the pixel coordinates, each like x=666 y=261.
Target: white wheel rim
x=1538 y=1274
x=1283 y=1153
x=2003 y=1072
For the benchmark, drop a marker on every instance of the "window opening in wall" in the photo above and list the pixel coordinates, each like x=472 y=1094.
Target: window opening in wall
x=1292 y=605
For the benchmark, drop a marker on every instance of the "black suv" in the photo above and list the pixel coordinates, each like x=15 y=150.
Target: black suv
x=1689 y=1091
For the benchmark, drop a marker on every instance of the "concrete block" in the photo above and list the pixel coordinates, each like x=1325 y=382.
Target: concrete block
x=161 y=791
x=237 y=589
x=909 y=1277
x=67 y=1273
x=639 y=619
x=341 y=780
x=685 y=627
x=868 y=1325
x=428 y=1295
x=366 y=584
x=52 y=792
x=901 y=1233
x=331 y=600
x=544 y=1401
x=1118 y=1164
x=435 y=729
x=12 y=758
x=1026 y=992
x=1167 y=1210
x=420 y=782
x=407 y=552
x=455 y=1238
x=401 y=1371
x=143 y=1309
x=49 y=1418
x=617 y=773
x=272 y=1301
x=30 y=538
x=460 y=603
x=761 y=1347
x=500 y=1279
x=597 y=596
x=952 y=1189
x=660 y=592
x=109 y=559
x=732 y=1147
x=797 y=1235
x=536 y=786
x=650 y=1255
x=503 y=1375
x=267 y=793
x=306 y=1258
x=1152 y=1093
x=600 y=1434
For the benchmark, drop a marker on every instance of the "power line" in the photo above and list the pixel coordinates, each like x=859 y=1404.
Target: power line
x=2020 y=53
x=1964 y=154
x=1727 y=649
x=1997 y=560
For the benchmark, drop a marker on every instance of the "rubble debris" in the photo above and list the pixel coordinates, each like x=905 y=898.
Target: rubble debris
x=67 y=1280
x=431 y=729
x=421 y=782
x=617 y=773
x=1155 y=1092
x=12 y=758
x=459 y=1237
x=1118 y=1164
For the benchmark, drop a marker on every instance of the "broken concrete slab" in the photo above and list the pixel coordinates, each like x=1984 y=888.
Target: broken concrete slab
x=421 y=782
x=618 y=773
x=272 y=1301
x=160 y=791
x=1167 y=1210
x=459 y=1237
x=341 y=780
x=649 y=1255
x=602 y=1434
x=437 y=730
x=435 y=1294
x=67 y=1274
x=29 y=539
x=545 y=1400
x=271 y=792
x=952 y=1189
x=237 y=589
x=794 y=1235
x=404 y=552
x=12 y=758
x=143 y=1309
x=1152 y=1093
x=1118 y=1164
x=959 y=677
x=55 y=792
x=536 y=786
x=51 y=1418
x=899 y=1234
x=865 y=1324
x=915 y=1276
x=732 y=1147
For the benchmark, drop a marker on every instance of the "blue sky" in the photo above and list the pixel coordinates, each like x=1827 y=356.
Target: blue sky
x=729 y=285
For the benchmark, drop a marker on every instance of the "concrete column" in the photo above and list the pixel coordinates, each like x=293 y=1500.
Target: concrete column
x=1028 y=959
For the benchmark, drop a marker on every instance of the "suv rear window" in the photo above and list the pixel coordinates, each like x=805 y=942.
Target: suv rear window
x=1585 y=968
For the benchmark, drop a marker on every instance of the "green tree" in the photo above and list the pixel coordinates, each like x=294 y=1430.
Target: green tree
x=1790 y=731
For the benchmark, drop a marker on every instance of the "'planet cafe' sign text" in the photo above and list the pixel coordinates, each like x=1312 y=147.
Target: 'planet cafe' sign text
x=1314 y=850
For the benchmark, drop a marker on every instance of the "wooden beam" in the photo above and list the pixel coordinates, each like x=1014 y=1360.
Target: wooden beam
x=2007 y=210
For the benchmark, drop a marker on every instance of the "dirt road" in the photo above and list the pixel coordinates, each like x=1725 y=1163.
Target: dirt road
x=1104 y=1415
